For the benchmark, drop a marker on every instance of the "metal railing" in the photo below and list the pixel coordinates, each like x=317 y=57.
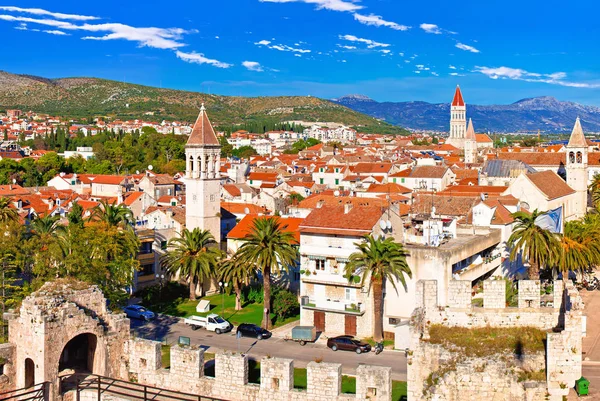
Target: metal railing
x=133 y=391
x=39 y=392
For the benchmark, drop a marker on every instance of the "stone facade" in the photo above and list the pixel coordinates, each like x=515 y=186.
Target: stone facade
x=53 y=316
x=435 y=372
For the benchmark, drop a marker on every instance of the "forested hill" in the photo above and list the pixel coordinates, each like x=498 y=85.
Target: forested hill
x=87 y=97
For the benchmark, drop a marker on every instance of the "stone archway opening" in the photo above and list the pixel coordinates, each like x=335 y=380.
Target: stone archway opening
x=29 y=373
x=78 y=354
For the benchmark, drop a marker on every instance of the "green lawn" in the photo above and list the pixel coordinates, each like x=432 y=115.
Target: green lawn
x=250 y=313
x=166 y=356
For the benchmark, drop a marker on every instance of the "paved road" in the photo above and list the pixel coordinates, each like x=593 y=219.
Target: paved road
x=170 y=328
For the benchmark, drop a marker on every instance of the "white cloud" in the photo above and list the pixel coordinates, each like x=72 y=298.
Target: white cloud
x=253 y=66
x=452 y=67
x=519 y=74
x=431 y=28
x=376 y=20
x=198 y=58
x=370 y=43
x=39 y=11
x=216 y=37
x=263 y=43
x=417 y=72
x=435 y=74
x=347 y=47
x=159 y=38
x=468 y=48
x=333 y=5
x=282 y=48
x=57 y=32
x=385 y=51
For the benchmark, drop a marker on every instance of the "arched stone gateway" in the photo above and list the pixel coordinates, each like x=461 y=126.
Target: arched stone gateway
x=66 y=327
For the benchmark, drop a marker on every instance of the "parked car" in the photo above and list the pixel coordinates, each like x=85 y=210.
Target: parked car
x=138 y=312
x=211 y=322
x=252 y=330
x=348 y=343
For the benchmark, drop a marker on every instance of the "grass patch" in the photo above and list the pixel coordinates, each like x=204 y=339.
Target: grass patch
x=487 y=341
x=250 y=313
x=537 y=376
x=166 y=356
x=386 y=343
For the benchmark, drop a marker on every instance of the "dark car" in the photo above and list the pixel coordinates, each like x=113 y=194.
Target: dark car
x=252 y=330
x=348 y=343
x=138 y=312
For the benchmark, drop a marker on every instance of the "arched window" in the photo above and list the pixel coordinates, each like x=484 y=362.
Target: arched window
x=579 y=157
x=191 y=164
x=571 y=157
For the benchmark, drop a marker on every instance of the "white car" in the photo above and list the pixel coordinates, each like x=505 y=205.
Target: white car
x=211 y=322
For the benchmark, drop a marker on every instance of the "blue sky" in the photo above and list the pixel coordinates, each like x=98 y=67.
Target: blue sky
x=390 y=50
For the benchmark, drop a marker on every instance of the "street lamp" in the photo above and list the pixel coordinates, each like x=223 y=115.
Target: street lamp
x=161 y=278
x=223 y=287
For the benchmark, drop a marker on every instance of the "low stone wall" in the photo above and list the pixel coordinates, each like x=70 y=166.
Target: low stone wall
x=186 y=374
x=438 y=373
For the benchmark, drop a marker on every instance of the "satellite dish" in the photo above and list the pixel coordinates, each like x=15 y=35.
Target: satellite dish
x=382 y=224
x=14 y=180
x=482 y=196
x=150 y=167
x=74 y=175
x=388 y=224
x=246 y=210
x=336 y=193
x=137 y=171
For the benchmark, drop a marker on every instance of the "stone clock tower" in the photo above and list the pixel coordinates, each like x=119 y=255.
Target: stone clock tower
x=202 y=178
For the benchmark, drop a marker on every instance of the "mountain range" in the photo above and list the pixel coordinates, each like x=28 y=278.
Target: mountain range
x=90 y=97
x=539 y=113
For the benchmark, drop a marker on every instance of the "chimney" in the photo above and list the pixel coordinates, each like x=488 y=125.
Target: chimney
x=320 y=204
x=347 y=207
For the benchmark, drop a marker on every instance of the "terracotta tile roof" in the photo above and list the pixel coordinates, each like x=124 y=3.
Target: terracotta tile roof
x=445 y=205
x=202 y=133
x=13 y=190
x=263 y=176
x=536 y=158
x=289 y=224
x=358 y=221
x=108 y=179
x=462 y=173
x=389 y=188
x=472 y=190
x=240 y=208
x=428 y=172
x=458 y=99
x=550 y=184
x=483 y=138
x=131 y=197
x=87 y=204
x=371 y=168
x=332 y=200
x=177 y=211
x=162 y=179
x=233 y=190
x=402 y=173
x=305 y=184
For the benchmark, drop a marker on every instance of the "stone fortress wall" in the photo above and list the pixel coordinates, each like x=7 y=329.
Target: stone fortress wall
x=435 y=373
x=186 y=374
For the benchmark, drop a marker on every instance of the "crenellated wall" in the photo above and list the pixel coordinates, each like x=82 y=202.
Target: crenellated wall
x=186 y=374
x=435 y=372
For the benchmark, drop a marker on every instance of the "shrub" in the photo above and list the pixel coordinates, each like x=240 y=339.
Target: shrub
x=253 y=294
x=171 y=293
x=284 y=303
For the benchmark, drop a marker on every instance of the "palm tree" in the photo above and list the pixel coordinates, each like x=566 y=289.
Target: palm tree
x=535 y=244
x=579 y=246
x=193 y=256
x=270 y=249
x=377 y=262
x=7 y=213
x=594 y=189
x=46 y=226
x=239 y=274
x=112 y=214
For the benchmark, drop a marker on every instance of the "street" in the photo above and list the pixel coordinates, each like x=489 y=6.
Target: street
x=170 y=328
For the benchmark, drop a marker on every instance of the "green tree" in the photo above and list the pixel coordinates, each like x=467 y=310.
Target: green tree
x=194 y=256
x=113 y=215
x=239 y=274
x=75 y=215
x=7 y=212
x=533 y=243
x=594 y=189
x=271 y=250
x=378 y=262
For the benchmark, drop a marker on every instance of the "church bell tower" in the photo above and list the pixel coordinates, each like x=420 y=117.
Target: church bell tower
x=577 y=167
x=202 y=178
x=458 y=120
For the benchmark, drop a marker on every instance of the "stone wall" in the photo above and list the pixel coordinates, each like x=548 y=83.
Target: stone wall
x=437 y=373
x=186 y=374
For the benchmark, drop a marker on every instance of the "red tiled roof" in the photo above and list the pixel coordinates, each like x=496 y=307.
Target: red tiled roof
x=244 y=227
x=358 y=221
x=458 y=98
x=240 y=208
x=388 y=188
x=202 y=133
x=483 y=138
x=370 y=168
x=233 y=190
x=108 y=179
x=550 y=184
x=131 y=197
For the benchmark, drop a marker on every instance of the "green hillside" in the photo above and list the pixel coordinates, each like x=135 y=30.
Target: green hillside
x=91 y=97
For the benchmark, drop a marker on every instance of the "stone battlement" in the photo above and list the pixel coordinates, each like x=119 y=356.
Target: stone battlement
x=186 y=374
x=450 y=375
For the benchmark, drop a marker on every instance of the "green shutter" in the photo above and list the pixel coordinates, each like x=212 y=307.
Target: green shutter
x=321 y=181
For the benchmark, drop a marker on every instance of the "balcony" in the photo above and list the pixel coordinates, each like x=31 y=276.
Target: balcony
x=327 y=278
x=474 y=271
x=336 y=306
x=145 y=257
